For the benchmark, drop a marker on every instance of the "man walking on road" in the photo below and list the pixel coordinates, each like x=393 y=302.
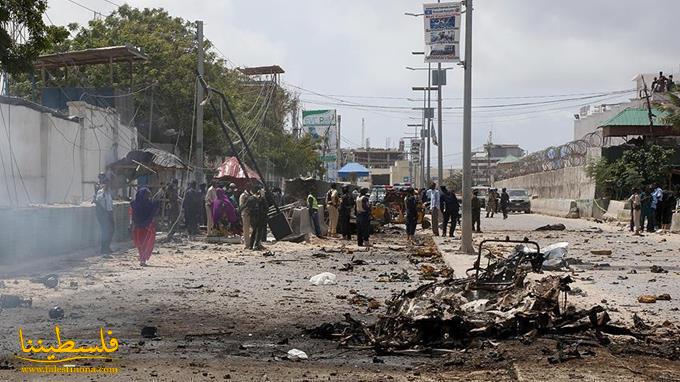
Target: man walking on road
x=345 y=213
x=657 y=199
x=476 y=212
x=505 y=201
x=411 y=208
x=210 y=197
x=332 y=203
x=363 y=209
x=636 y=208
x=450 y=208
x=104 y=211
x=491 y=203
x=435 y=208
x=313 y=206
x=245 y=216
x=192 y=208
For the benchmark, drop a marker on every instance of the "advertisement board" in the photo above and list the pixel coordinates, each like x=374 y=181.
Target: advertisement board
x=442 y=32
x=322 y=126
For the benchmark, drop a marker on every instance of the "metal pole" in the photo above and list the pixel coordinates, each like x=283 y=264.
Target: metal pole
x=150 y=118
x=338 y=154
x=467 y=134
x=199 y=176
x=429 y=124
x=440 y=148
x=423 y=147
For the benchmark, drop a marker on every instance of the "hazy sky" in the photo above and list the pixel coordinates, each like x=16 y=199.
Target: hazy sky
x=360 y=48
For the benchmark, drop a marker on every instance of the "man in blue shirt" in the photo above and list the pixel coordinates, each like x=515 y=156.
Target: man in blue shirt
x=657 y=197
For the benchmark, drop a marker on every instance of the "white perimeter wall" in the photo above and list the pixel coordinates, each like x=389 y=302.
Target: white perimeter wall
x=45 y=159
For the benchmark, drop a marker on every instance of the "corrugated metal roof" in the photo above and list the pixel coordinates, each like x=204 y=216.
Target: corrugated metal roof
x=156 y=157
x=637 y=117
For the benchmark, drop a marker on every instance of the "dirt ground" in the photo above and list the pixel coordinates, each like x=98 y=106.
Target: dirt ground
x=223 y=313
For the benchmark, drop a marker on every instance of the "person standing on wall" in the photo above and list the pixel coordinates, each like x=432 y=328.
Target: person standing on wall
x=435 y=199
x=363 y=212
x=104 y=213
x=505 y=201
x=345 y=213
x=332 y=203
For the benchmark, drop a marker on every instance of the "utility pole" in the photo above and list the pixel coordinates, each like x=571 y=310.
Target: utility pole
x=338 y=152
x=440 y=148
x=467 y=134
x=199 y=159
x=429 y=125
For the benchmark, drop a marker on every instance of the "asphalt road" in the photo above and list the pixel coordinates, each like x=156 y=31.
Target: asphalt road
x=223 y=313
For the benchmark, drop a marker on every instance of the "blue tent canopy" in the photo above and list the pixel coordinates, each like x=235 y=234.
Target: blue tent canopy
x=353 y=169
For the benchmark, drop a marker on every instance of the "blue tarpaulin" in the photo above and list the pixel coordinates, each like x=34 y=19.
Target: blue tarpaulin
x=352 y=169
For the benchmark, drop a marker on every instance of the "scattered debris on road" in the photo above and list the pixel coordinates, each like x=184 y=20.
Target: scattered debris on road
x=552 y=227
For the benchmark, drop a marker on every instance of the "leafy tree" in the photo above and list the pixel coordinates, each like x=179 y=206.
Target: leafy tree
x=169 y=73
x=455 y=181
x=24 y=35
x=637 y=167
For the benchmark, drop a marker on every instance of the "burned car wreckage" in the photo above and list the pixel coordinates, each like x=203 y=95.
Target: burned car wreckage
x=496 y=301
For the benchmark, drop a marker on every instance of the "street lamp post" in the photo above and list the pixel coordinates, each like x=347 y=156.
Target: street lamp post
x=467 y=134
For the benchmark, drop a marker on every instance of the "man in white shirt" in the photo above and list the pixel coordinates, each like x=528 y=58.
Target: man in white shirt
x=435 y=200
x=104 y=212
x=210 y=197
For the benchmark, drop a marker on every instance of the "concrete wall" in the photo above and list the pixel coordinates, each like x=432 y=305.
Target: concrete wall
x=34 y=232
x=46 y=158
x=566 y=183
x=553 y=207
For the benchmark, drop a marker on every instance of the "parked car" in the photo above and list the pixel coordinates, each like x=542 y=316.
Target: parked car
x=520 y=201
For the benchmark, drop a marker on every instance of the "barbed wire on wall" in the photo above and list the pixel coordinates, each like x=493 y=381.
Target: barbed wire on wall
x=572 y=154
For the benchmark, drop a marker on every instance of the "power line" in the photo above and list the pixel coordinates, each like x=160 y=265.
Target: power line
x=496 y=106
x=85 y=7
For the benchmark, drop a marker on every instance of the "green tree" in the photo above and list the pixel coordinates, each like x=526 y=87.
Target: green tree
x=637 y=167
x=24 y=35
x=455 y=181
x=169 y=73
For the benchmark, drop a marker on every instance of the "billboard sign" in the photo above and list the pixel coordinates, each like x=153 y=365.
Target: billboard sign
x=442 y=32
x=322 y=126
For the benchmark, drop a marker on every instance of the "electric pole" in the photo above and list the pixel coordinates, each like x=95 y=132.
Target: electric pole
x=199 y=159
x=429 y=125
x=467 y=134
x=440 y=148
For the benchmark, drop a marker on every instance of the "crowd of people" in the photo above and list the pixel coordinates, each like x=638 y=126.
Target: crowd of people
x=662 y=83
x=226 y=211
x=652 y=209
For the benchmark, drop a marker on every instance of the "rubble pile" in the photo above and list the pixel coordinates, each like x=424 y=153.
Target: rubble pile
x=451 y=313
x=498 y=302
